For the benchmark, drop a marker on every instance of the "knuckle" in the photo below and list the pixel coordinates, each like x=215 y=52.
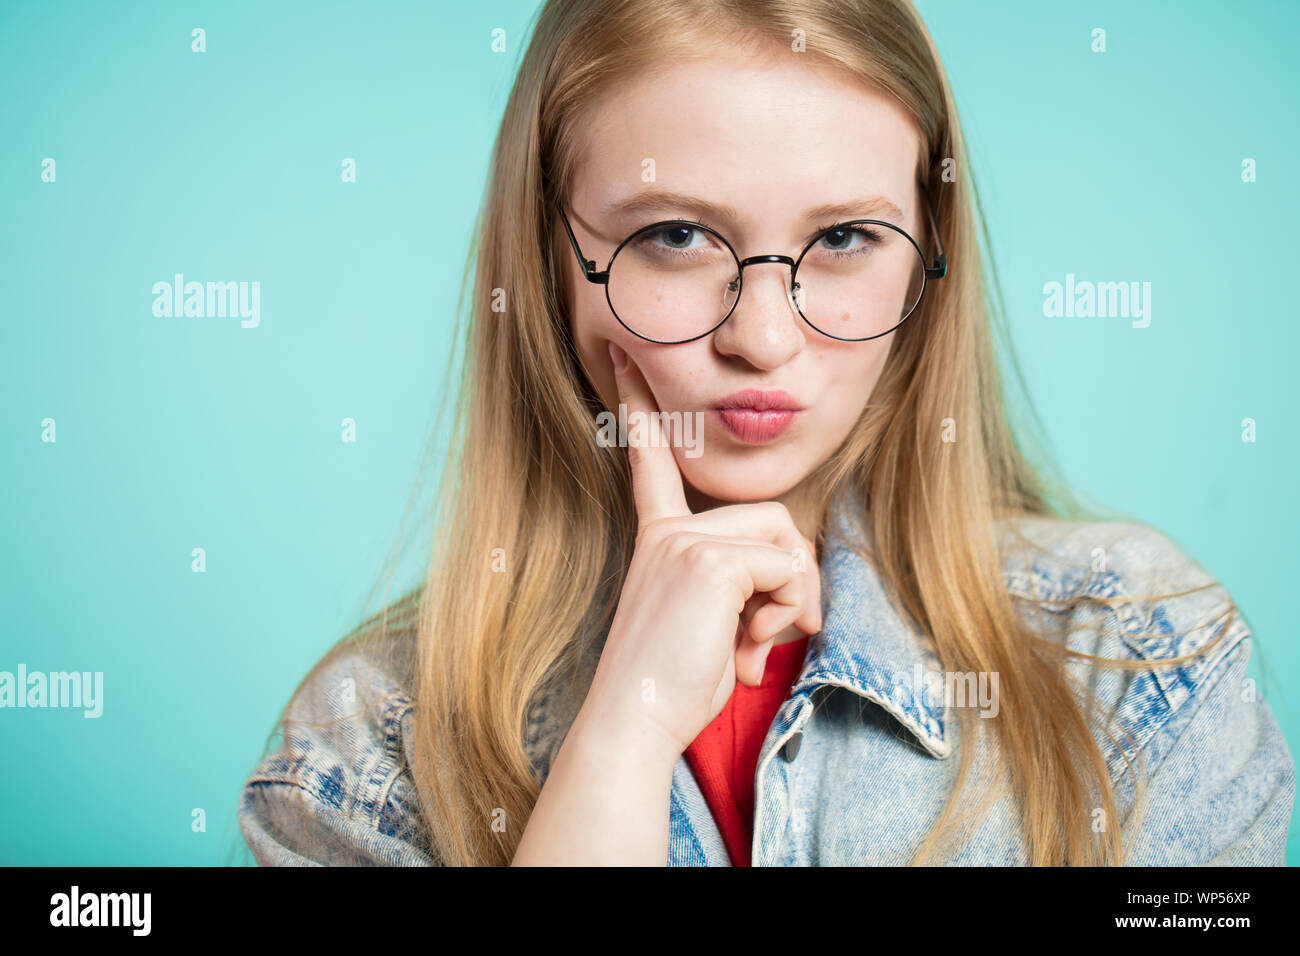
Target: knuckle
x=778 y=511
x=666 y=537
x=706 y=559
x=652 y=533
x=664 y=528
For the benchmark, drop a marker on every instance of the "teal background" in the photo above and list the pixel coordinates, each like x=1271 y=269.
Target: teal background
x=182 y=433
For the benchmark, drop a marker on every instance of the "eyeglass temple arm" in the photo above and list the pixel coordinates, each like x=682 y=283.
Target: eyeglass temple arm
x=588 y=266
x=940 y=267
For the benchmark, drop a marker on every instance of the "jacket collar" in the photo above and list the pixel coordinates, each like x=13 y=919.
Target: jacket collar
x=865 y=645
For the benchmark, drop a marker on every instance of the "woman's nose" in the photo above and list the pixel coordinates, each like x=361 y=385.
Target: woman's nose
x=764 y=328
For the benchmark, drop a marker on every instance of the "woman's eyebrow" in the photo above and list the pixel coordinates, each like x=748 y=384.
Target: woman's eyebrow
x=661 y=200
x=868 y=207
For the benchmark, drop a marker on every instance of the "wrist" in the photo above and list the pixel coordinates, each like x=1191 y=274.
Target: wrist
x=622 y=731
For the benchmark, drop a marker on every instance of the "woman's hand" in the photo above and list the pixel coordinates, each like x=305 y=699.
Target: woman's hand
x=704 y=596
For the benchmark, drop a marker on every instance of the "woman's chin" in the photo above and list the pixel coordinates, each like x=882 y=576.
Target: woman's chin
x=739 y=482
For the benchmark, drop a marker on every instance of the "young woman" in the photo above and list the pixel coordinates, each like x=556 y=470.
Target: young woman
x=738 y=560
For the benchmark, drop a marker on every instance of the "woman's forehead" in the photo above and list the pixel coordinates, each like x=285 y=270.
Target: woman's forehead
x=748 y=134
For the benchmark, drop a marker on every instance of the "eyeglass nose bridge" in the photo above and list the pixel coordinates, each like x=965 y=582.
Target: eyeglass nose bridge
x=754 y=260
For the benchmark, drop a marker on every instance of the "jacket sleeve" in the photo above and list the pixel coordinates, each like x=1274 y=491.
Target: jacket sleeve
x=337 y=792
x=1223 y=789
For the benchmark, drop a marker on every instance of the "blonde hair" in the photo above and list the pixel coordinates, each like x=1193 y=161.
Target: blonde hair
x=526 y=480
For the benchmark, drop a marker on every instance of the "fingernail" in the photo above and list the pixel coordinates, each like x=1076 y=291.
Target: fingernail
x=618 y=356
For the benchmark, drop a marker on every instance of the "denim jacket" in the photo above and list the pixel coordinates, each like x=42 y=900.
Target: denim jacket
x=859 y=761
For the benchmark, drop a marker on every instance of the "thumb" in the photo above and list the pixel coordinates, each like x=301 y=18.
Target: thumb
x=751 y=660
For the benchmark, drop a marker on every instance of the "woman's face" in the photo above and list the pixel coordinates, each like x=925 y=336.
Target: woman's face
x=772 y=141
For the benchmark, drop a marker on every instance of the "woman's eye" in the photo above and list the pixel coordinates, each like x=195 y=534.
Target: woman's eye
x=842 y=240
x=678 y=237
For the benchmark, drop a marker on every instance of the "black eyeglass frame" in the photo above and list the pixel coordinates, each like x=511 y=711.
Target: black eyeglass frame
x=936 y=271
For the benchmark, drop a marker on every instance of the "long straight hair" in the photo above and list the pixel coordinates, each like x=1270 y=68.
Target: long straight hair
x=535 y=519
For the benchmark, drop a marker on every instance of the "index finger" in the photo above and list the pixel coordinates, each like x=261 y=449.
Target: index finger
x=656 y=480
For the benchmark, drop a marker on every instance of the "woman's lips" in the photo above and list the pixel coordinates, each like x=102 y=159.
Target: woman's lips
x=754 y=426
x=757 y=416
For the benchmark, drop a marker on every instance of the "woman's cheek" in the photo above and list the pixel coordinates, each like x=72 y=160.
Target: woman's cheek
x=662 y=367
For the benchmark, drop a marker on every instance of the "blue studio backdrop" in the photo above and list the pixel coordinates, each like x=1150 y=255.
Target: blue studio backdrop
x=183 y=511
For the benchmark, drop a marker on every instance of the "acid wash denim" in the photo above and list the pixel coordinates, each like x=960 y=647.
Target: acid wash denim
x=858 y=763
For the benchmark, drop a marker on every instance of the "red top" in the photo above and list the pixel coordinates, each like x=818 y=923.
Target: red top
x=724 y=757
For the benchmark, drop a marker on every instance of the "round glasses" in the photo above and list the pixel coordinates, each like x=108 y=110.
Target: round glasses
x=677 y=280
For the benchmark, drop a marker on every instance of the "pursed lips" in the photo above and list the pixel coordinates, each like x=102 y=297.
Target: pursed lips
x=757 y=416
